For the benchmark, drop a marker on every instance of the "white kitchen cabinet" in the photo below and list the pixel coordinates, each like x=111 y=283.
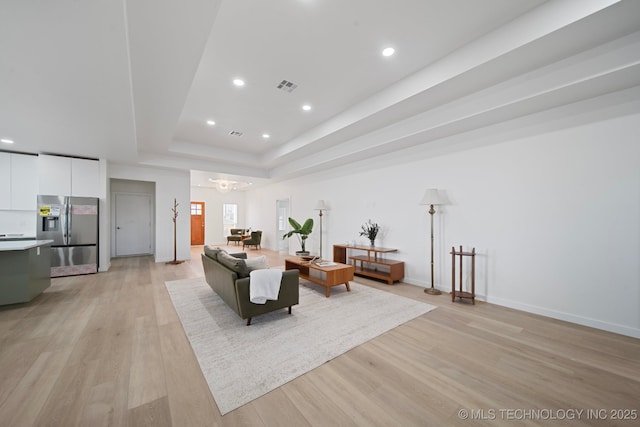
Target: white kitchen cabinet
x=18 y=181
x=85 y=178
x=24 y=182
x=5 y=181
x=68 y=176
x=54 y=175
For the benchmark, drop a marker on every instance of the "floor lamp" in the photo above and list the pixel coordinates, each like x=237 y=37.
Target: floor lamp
x=321 y=206
x=431 y=197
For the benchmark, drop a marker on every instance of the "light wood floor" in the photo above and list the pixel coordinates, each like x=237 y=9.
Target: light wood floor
x=109 y=349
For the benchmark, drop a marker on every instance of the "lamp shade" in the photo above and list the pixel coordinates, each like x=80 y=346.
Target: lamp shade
x=431 y=197
x=320 y=206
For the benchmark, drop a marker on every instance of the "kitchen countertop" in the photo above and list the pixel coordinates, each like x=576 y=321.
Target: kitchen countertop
x=11 y=239
x=16 y=236
x=21 y=245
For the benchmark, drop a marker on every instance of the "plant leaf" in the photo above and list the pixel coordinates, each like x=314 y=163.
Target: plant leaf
x=307 y=227
x=295 y=224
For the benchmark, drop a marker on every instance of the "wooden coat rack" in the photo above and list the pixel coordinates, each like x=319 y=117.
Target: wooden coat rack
x=175 y=248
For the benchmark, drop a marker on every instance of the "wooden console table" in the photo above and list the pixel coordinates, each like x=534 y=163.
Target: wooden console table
x=369 y=263
x=460 y=293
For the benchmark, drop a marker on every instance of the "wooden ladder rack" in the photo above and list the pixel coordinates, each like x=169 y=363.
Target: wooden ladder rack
x=460 y=293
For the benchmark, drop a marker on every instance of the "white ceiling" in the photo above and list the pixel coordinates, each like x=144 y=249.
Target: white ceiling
x=135 y=81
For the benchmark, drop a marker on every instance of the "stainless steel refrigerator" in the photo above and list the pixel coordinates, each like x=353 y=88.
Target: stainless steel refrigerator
x=72 y=224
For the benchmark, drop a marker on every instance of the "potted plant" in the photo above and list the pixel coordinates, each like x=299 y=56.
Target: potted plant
x=302 y=231
x=370 y=231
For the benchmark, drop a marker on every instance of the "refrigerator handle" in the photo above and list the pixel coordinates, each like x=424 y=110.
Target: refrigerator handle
x=69 y=221
x=66 y=226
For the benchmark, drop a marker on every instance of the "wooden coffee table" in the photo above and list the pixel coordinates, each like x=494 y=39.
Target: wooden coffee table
x=334 y=275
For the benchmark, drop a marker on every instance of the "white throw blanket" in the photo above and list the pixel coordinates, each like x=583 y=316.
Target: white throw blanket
x=264 y=285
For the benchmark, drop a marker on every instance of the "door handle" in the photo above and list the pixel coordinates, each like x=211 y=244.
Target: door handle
x=117 y=228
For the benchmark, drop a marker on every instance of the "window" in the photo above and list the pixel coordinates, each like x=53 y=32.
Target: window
x=229 y=217
x=196 y=209
x=282 y=218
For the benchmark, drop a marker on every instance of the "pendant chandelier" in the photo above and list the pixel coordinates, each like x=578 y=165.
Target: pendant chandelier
x=226 y=185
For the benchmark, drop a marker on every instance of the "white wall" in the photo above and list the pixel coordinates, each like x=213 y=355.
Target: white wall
x=261 y=212
x=169 y=184
x=553 y=216
x=213 y=200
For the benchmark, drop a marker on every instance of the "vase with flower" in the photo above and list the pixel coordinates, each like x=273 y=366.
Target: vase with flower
x=370 y=231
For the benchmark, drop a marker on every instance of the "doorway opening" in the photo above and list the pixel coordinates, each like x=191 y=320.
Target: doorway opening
x=282 y=221
x=132 y=217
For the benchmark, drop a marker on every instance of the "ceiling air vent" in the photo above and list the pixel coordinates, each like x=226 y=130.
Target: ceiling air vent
x=287 y=86
x=235 y=133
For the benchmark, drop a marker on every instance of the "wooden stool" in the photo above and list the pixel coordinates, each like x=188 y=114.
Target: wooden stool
x=460 y=293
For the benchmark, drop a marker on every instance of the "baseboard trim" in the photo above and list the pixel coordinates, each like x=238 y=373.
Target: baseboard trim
x=543 y=311
x=567 y=317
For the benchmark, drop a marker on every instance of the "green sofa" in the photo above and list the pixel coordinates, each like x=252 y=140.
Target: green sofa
x=228 y=276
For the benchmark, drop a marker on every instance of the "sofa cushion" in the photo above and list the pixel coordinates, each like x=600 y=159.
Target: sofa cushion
x=233 y=263
x=212 y=252
x=257 y=263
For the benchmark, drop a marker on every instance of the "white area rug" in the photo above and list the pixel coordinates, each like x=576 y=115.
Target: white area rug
x=241 y=363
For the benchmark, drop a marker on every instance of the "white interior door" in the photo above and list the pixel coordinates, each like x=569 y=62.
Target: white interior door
x=132 y=224
x=282 y=224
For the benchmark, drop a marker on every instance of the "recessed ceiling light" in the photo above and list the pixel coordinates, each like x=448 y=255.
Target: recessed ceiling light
x=211 y=122
x=6 y=141
x=306 y=107
x=238 y=82
x=266 y=135
x=388 y=51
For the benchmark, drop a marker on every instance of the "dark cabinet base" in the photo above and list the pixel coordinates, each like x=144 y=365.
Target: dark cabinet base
x=24 y=274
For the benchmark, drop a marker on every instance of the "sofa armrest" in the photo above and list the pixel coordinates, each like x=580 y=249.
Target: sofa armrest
x=288 y=296
x=290 y=278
